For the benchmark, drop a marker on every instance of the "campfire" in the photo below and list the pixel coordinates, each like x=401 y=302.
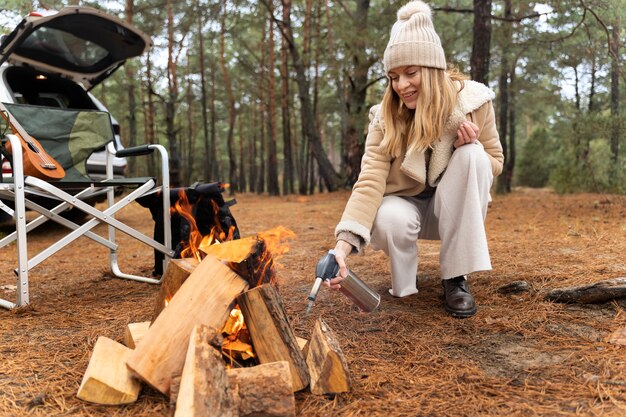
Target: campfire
x=196 y=241
x=219 y=334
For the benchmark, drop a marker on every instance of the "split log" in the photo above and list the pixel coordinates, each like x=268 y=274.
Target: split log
x=263 y=390
x=272 y=336
x=134 y=332
x=107 y=380
x=204 y=386
x=248 y=257
x=598 y=292
x=237 y=250
x=174 y=389
x=304 y=345
x=327 y=365
x=177 y=271
x=206 y=297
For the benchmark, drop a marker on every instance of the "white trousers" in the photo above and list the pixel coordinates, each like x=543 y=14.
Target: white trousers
x=455 y=215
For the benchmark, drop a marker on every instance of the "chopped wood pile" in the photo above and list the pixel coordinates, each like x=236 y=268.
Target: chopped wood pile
x=219 y=343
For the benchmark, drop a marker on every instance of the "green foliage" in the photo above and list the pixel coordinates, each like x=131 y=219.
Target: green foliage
x=537 y=159
x=583 y=161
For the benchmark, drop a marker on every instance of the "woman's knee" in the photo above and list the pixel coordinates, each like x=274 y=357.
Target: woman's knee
x=396 y=214
x=471 y=155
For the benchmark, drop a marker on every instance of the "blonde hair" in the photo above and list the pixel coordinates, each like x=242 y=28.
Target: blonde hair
x=407 y=129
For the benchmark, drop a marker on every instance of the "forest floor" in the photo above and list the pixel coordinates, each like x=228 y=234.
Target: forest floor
x=518 y=356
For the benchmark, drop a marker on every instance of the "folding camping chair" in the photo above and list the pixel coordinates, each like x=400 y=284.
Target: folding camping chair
x=70 y=137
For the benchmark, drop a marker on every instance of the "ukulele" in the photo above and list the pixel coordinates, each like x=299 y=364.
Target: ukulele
x=37 y=162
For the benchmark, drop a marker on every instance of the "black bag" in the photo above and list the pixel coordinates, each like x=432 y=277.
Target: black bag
x=201 y=197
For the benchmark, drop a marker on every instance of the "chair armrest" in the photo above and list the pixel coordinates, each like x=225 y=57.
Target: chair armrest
x=135 y=151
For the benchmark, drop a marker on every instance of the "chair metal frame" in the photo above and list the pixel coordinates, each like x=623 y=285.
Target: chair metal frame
x=22 y=187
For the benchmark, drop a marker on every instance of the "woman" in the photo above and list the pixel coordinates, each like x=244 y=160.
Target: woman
x=431 y=154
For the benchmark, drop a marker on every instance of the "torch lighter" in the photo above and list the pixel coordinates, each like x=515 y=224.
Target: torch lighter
x=351 y=286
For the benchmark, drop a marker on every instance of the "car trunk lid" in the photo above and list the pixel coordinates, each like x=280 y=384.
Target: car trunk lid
x=80 y=43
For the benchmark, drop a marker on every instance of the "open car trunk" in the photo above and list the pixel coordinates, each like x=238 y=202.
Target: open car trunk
x=40 y=89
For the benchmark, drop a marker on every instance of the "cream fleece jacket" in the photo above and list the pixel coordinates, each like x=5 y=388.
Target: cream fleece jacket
x=383 y=175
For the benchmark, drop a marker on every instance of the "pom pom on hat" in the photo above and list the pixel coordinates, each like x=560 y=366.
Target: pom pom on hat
x=413 y=40
x=413 y=7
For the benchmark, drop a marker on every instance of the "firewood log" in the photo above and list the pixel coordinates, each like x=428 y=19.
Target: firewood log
x=177 y=271
x=263 y=390
x=174 y=388
x=327 y=365
x=204 y=385
x=206 y=297
x=134 y=332
x=107 y=380
x=272 y=335
x=248 y=257
x=237 y=250
x=304 y=346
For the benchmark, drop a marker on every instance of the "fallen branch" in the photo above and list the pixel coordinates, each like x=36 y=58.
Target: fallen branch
x=598 y=292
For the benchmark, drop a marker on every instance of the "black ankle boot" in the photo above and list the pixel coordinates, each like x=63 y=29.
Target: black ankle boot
x=458 y=300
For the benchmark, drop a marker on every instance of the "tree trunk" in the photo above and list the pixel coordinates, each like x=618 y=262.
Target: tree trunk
x=144 y=94
x=253 y=172
x=326 y=170
x=355 y=112
x=209 y=158
x=261 y=110
x=311 y=175
x=190 y=128
x=615 y=128
x=509 y=164
x=288 y=169
x=576 y=90
x=214 y=163
x=504 y=182
x=592 y=87
x=242 y=159
x=481 y=41
x=151 y=112
x=231 y=105
x=303 y=165
x=272 y=162
x=503 y=120
x=132 y=104
x=170 y=103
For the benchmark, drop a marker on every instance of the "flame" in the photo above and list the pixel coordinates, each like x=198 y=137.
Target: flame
x=191 y=248
x=234 y=324
x=274 y=249
x=237 y=343
x=274 y=239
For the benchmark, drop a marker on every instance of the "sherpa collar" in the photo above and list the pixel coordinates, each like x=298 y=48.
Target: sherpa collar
x=471 y=97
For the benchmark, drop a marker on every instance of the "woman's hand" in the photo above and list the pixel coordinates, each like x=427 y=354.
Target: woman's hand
x=342 y=250
x=467 y=133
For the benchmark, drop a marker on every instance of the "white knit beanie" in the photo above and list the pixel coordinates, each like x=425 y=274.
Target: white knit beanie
x=413 y=40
